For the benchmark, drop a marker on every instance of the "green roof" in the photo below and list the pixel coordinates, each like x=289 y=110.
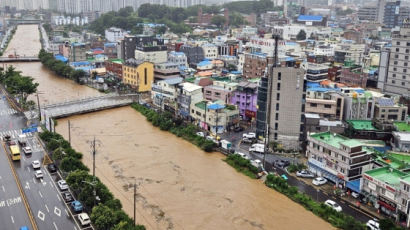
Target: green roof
x=118 y=61
x=190 y=79
x=387 y=174
x=402 y=126
x=335 y=139
x=361 y=125
x=201 y=105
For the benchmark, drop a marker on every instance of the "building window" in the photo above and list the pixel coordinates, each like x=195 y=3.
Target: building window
x=403 y=83
x=278 y=88
x=313 y=105
x=278 y=96
x=279 y=76
x=393 y=81
x=145 y=76
x=396 y=56
x=404 y=76
x=275 y=136
x=328 y=106
x=398 y=43
x=406 y=57
x=395 y=62
x=394 y=69
x=394 y=75
x=277 y=106
x=397 y=49
x=277 y=116
x=407 y=51
x=276 y=126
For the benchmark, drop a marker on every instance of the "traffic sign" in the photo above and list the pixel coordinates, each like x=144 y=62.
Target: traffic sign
x=29 y=130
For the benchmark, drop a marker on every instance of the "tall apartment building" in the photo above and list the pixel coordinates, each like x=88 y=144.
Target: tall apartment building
x=394 y=70
x=254 y=65
x=287 y=107
x=368 y=13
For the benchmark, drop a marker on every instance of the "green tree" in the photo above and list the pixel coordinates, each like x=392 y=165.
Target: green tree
x=301 y=35
x=77 y=75
x=218 y=20
x=103 y=217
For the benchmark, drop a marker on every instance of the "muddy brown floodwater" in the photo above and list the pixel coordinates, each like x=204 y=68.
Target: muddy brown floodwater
x=179 y=186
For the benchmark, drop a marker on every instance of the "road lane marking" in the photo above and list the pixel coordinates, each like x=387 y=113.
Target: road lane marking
x=12 y=219
x=40 y=194
x=4 y=190
x=41 y=215
x=55 y=225
x=48 y=210
x=57 y=211
x=34 y=181
x=28 y=168
x=67 y=213
x=58 y=197
x=27 y=185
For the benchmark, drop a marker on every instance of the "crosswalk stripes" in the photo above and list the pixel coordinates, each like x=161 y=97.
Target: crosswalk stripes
x=13 y=133
x=8 y=112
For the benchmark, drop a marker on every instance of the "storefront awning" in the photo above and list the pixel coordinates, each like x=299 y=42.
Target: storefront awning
x=354 y=185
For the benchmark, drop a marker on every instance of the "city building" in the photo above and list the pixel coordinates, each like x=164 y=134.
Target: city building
x=166 y=70
x=230 y=47
x=327 y=104
x=254 y=65
x=349 y=52
x=164 y=93
x=245 y=98
x=113 y=34
x=78 y=52
x=110 y=49
x=401 y=141
x=358 y=104
x=316 y=72
x=138 y=74
x=315 y=124
x=154 y=54
x=312 y=20
x=286 y=112
x=368 y=13
x=386 y=109
x=178 y=58
x=353 y=77
x=114 y=67
x=394 y=73
x=210 y=51
x=338 y=159
x=214 y=93
x=194 y=54
x=188 y=94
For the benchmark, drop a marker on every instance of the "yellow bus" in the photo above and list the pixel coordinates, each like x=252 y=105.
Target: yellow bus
x=15 y=152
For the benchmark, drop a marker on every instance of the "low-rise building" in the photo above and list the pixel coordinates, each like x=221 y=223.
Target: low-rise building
x=326 y=104
x=245 y=98
x=110 y=49
x=316 y=72
x=164 y=93
x=338 y=158
x=401 y=141
x=213 y=93
x=210 y=51
x=138 y=74
x=154 y=54
x=78 y=52
x=178 y=58
x=386 y=109
x=114 y=67
x=113 y=34
x=255 y=65
x=188 y=94
x=166 y=70
x=353 y=78
x=194 y=54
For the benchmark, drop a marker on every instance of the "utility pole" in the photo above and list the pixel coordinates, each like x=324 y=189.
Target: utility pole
x=94 y=158
x=135 y=200
x=39 y=108
x=69 y=132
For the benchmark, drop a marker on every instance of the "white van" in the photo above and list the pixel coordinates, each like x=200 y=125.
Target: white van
x=84 y=219
x=243 y=155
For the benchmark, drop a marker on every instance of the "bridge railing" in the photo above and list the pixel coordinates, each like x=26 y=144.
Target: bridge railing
x=88 y=99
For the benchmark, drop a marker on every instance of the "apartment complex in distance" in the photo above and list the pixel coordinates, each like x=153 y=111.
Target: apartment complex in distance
x=394 y=70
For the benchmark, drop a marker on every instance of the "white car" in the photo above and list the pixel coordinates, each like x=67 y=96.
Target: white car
x=201 y=134
x=333 y=205
x=249 y=135
x=372 y=225
x=211 y=138
x=27 y=150
x=84 y=219
x=319 y=181
x=36 y=164
x=62 y=185
x=304 y=173
x=243 y=155
x=38 y=174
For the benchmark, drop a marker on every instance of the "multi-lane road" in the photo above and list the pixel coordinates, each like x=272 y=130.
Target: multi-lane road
x=25 y=200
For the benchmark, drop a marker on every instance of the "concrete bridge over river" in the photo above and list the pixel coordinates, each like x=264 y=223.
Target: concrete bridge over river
x=88 y=105
x=19 y=59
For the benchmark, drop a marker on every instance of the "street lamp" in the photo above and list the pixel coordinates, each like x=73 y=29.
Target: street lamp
x=94 y=183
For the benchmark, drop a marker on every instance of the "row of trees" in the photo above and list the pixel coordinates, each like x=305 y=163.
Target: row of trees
x=18 y=85
x=165 y=121
x=106 y=211
x=59 y=67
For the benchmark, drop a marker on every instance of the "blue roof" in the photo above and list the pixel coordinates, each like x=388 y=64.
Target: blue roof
x=111 y=44
x=80 y=63
x=84 y=68
x=61 y=58
x=312 y=84
x=321 y=89
x=177 y=53
x=359 y=90
x=204 y=63
x=173 y=81
x=289 y=59
x=236 y=72
x=216 y=106
x=316 y=18
x=97 y=49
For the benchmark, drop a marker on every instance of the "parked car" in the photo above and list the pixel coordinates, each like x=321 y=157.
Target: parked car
x=284 y=177
x=247 y=141
x=38 y=174
x=304 y=173
x=27 y=150
x=211 y=138
x=238 y=129
x=52 y=168
x=282 y=163
x=201 y=134
x=62 y=185
x=68 y=197
x=319 y=181
x=24 y=228
x=84 y=219
x=333 y=205
x=243 y=155
x=249 y=135
x=373 y=225
x=36 y=164
x=77 y=206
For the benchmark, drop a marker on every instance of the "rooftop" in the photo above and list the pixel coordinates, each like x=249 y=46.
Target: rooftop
x=404 y=136
x=335 y=140
x=361 y=125
x=190 y=87
x=316 y=18
x=386 y=174
x=118 y=61
x=201 y=105
x=402 y=126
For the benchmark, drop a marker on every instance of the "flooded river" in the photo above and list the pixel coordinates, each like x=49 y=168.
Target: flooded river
x=179 y=186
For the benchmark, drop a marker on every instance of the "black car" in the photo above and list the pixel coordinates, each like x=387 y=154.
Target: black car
x=68 y=197
x=238 y=129
x=52 y=168
x=283 y=163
